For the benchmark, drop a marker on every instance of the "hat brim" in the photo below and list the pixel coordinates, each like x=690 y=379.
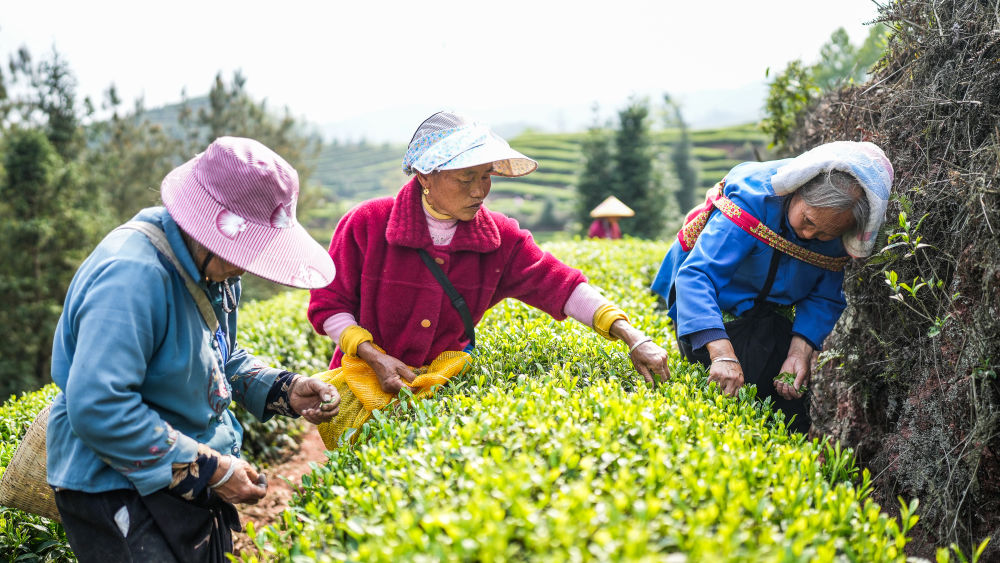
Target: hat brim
x=506 y=161
x=284 y=255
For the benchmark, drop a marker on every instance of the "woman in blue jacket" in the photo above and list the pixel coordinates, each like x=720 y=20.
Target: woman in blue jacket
x=143 y=452
x=754 y=281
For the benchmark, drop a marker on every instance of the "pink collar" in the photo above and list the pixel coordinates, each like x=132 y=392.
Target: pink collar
x=408 y=225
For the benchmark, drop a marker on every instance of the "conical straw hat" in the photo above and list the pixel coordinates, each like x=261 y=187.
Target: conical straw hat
x=612 y=207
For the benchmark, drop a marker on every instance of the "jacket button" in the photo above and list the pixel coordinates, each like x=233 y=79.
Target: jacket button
x=439 y=260
x=425 y=323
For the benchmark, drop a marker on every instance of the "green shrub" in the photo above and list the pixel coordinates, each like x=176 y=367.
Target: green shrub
x=278 y=333
x=275 y=330
x=24 y=536
x=536 y=467
x=551 y=448
x=546 y=156
x=523 y=188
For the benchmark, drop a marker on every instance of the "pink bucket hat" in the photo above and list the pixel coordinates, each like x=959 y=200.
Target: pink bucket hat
x=238 y=200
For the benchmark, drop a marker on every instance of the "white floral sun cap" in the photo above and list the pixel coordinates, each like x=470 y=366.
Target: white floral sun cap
x=445 y=141
x=866 y=162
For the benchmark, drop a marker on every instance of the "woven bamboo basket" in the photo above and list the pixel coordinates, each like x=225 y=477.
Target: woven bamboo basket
x=23 y=485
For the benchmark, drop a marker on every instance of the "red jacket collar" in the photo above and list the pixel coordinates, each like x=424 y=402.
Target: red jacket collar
x=408 y=225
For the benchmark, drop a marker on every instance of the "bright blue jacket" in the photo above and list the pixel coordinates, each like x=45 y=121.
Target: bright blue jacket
x=141 y=375
x=727 y=267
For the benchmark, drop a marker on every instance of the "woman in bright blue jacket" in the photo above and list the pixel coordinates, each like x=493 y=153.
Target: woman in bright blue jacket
x=143 y=452
x=754 y=282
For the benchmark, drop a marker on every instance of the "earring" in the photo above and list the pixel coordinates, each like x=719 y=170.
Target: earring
x=426 y=191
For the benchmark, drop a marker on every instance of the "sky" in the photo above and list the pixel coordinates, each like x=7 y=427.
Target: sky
x=375 y=69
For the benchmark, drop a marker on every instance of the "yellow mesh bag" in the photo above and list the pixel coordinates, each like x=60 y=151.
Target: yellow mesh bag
x=360 y=393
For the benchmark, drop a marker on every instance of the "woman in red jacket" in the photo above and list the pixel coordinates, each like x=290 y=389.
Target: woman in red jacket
x=385 y=294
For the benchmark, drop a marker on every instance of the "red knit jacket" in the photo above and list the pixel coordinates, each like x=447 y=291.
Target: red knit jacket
x=389 y=290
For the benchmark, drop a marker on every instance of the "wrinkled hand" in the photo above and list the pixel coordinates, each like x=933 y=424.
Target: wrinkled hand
x=727 y=375
x=243 y=486
x=392 y=374
x=797 y=362
x=650 y=360
x=313 y=399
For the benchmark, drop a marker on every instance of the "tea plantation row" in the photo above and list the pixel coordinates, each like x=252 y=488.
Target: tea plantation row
x=549 y=448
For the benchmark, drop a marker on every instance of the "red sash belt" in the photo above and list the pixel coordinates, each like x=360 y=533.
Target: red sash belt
x=696 y=220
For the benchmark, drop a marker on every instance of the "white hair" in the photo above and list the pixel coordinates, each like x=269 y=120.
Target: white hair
x=838 y=190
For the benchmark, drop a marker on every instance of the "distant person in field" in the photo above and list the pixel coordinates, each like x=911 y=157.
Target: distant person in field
x=606 y=216
x=754 y=280
x=143 y=451
x=388 y=310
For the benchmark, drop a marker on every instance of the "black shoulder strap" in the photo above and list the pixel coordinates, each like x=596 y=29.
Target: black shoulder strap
x=771 y=274
x=457 y=300
x=772 y=271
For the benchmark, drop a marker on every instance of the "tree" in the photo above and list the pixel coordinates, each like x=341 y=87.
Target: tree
x=547 y=219
x=842 y=63
x=682 y=159
x=134 y=156
x=634 y=180
x=232 y=111
x=595 y=182
x=48 y=219
x=43 y=95
x=798 y=86
x=45 y=230
x=788 y=97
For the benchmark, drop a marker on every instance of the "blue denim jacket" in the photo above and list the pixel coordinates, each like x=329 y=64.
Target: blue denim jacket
x=143 y=379
x=727 y=267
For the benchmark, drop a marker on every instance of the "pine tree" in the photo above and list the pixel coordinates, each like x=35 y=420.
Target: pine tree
x=595 y=182
x=135 y=154
x=682 y=159
x=43 y=95
x=45 y=230
x=231 y=111
x=634 y=177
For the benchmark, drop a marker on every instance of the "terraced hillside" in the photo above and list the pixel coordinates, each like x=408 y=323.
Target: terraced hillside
x=350 y=173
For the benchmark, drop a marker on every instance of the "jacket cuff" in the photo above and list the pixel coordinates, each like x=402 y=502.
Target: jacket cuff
x=702 y=337
x=278 y=401
x=255 y=399
x=159 y=476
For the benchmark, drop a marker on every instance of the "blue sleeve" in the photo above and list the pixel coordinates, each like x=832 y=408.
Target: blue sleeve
x=250 y=381
x=118 y=328
x=816 y=314
x=707 y=270
x=702 y=337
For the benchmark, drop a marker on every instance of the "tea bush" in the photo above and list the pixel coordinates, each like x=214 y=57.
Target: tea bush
x=548 y=448
x=24 y=536
x=551 y=448
x=277 y=332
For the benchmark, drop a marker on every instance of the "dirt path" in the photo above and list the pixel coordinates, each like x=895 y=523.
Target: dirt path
x=279 y=493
